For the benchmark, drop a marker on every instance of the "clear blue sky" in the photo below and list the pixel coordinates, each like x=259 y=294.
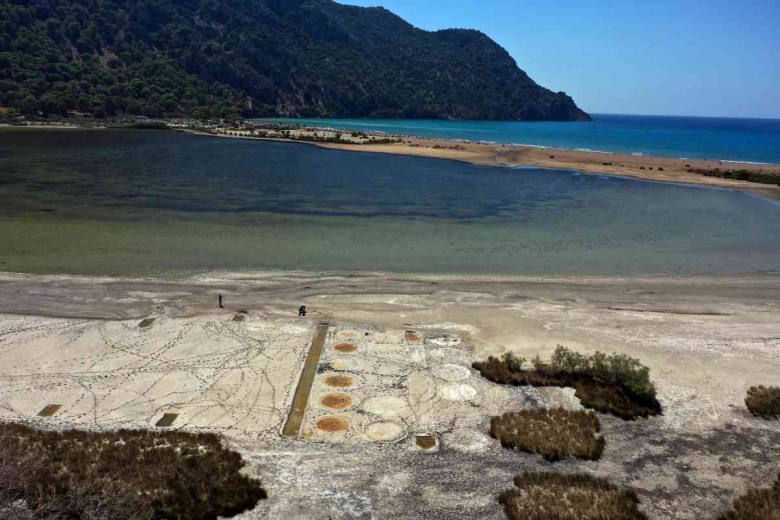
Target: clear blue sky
x=680 y=57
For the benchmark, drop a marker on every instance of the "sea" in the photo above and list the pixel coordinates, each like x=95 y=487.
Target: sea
x=728 y=139
x=163 y=203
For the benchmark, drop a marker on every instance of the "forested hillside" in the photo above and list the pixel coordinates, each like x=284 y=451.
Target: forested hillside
x=217 y=58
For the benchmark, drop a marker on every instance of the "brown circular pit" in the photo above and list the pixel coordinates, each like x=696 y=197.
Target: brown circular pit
x=346 y=347
x=426 y=442
x=333 y=424
x=337 y=401
x=339 y=381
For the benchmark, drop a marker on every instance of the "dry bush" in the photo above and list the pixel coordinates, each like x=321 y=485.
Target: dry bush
x=555 y=434
x=552 y=496
x=616 y=384
x=763 y=401
x=125 y=474
x=756 y=504
x=12 y=485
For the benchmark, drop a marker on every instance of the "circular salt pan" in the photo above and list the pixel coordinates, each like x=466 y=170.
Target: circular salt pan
x=346 y=348
x=452 y=372
x=385 y=405
x=449 y=354
x=445 y=340
x=456 y=392
x=468 y=441
x=339 y=381
x=336 y=401
x=345 y=364
x=385 y=431
x=333 y=424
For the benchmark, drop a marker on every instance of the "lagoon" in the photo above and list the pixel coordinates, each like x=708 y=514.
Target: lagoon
x=154 y=203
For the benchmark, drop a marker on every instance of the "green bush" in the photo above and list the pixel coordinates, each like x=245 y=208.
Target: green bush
x=763 y=401
x=124 y=474
x=617 y=369
x=615 y=384
x=552 y=496
x=555 y=434
x=148 y=125
x=740 y=175
x=756 y=504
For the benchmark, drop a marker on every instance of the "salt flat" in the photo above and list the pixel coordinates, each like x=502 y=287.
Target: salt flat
x=400 y=350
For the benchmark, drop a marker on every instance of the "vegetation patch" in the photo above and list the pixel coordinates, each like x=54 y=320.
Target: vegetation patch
x=740 y=175
x=122 y=474
x=615 y=384
x=555 y=434
x=148 y=125
x=764 y=401
x=547 y=496
x=756 y=504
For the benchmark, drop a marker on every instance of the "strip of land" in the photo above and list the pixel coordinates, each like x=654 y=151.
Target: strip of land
x=645 y=167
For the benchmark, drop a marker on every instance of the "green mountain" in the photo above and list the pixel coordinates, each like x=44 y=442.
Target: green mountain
x=216 y=58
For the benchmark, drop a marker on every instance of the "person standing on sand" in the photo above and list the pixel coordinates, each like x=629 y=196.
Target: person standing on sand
x=220 y=302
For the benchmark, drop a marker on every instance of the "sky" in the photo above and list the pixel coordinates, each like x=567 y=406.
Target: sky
x=655 y=57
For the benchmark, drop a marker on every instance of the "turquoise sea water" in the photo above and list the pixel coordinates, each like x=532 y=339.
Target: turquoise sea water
x=161 y=203
x=751 y=140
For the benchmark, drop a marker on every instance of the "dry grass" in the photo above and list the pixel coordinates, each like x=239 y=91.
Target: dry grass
x=763 y=401
x=615 y=384
x=756 y=504
x=555 y=434
x=123 y=474
x=551 y=496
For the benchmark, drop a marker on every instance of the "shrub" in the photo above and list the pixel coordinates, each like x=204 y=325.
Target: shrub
x=764 y=401
x=617 y=369
x=551 y=496
x=127 y=474
x=615 y=384
x=555 y=434
x=148 y=125
x=740 y=175
x=756 y=504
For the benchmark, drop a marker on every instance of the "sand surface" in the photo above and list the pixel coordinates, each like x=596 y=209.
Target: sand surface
x=77 y=342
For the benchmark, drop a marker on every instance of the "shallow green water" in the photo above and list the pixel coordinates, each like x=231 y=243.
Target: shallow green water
x=162 y=203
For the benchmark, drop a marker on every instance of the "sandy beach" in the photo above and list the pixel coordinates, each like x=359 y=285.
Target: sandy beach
x=396 y=364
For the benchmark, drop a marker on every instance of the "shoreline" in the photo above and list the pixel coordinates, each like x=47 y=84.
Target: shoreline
x=640 y=167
